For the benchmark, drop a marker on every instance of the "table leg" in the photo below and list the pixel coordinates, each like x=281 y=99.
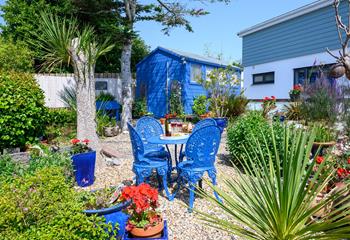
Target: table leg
x=170 y=161
x=176 y=160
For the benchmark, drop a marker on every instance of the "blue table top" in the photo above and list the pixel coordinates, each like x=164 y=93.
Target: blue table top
x=166 y=140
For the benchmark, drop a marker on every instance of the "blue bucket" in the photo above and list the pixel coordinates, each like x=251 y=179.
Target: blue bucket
x=84 y=168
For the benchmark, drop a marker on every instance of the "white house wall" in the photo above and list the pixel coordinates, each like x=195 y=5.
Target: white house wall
x=284 y=75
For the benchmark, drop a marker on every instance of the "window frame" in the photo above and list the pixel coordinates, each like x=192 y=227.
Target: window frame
x=263 y=75
x=101 y=82
x=194 y=81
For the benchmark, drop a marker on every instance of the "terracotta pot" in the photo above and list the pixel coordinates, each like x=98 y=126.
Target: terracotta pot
x=162 y=121
x=322 y=146
x=203 y=116
x=151 y=232
x=337 y=71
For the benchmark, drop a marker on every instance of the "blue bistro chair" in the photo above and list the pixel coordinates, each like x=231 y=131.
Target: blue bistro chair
x=201 y=124
x=204 y=123
x=144 y=165
x=201 y=149
x=149 y=127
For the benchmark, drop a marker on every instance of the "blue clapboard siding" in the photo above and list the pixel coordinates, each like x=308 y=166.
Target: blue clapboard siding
x=308 y=34
x=152 y=73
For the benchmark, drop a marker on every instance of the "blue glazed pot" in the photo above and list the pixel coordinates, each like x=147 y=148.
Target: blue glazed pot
x=113 y=215
x=84 y=168
x=221 y=123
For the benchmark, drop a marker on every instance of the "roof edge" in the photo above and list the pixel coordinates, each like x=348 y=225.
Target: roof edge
x=287 y=16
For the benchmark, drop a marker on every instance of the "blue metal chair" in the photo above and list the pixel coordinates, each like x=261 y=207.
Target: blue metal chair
x=204 y=123
x=144 y=165
x=149 y=127
x=201 y=124
x=200 y=152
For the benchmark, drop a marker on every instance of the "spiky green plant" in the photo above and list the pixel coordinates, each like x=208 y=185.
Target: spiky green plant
x=275 y=200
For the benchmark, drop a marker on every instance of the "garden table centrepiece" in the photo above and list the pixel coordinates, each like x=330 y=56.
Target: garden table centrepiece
x=170 y=140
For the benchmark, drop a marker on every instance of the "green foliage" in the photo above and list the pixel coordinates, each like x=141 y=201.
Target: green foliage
x=22 y=110
x=15 y=57
x=175 y=102
x=45 y=206
x=104 y=97
x=61 y=116
x=278 y=200
x=293 y=111
x=98 y=199
x=103 y=120
x=68 y=95
x=200 y=105
x=236 y=105
x=220 y=83
x=246 y=127
x=139 y=108
x=323 y=133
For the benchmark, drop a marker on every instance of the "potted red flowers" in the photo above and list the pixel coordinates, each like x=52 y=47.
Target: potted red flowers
x=83 y=162
x=294 y=94
x=269 y=103
x=144 y=220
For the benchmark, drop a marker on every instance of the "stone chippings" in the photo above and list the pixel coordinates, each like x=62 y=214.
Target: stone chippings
x=181 y=224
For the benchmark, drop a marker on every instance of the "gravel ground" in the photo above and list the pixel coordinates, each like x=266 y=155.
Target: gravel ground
x=181 y=224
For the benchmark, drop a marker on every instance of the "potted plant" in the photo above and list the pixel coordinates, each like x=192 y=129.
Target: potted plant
x=83 y=158
x=104 y=202
x=324 y=138
x=294 y=94
x=220 y=83
x=144 y=219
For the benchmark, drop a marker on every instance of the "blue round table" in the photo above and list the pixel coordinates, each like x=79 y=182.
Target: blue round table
x=181 y=140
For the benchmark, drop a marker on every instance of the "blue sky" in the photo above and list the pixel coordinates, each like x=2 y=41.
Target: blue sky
x=218 y=30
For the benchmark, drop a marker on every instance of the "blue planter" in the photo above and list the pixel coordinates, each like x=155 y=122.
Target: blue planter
x=163 y=237
x=113 y=215
x=221 y=123
x=84 y=168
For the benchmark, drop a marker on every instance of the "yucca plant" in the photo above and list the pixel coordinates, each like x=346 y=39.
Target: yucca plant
x=275 y=199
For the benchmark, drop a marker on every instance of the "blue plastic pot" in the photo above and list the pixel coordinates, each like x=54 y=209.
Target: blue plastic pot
x=113 y=215
x=221 y=123
x=84 y=168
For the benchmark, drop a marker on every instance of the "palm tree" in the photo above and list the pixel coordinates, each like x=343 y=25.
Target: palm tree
x=62 y=42
x=275 y=199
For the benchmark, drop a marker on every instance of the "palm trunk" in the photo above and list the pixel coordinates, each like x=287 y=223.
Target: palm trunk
x=126 y=85
x=86 y=108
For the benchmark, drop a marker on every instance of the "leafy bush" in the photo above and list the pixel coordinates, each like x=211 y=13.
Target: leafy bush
x=105 y=97
x=200 y=105
x=236 y=105
x=22 y=110
x=103 y=120
x=253 y=124
x=139 y=108
x=68 y=96
x=320 y=101
x=61 y=116
x=323 y=132
x=45 y=206
x=293 y=111
x=15 y=57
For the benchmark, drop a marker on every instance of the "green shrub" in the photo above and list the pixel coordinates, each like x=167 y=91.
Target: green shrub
x=22 y=110
x=61 y=116
x=200 y=105
x=240 y=132
x=323 y=132
x=16 y=57
x=236 y=105
x=139 y=108
x=45 y=206
x=105 y=97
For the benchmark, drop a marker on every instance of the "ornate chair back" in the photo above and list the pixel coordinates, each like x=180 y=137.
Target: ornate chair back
x=148 y=127
x=202 y=146
x=136 y=143
x=204 y=123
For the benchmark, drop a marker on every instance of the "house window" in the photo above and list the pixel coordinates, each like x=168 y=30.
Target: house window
x=196 y=72
x=101 y=85
x=208 y=70
x=310 y=74
x=263 y=78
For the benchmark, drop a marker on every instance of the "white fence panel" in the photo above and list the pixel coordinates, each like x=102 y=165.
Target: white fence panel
x=52 y=84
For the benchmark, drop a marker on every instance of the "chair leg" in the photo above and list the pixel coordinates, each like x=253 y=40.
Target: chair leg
x=139 y=180
x=163 y=173
x=192 y=196
x=213 y=180
x=160 y=182
x=200 y=183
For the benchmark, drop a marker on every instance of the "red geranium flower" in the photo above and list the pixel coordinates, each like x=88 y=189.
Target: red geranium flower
x=341 y=172
x=273 y=97
x=75 y=141
x=266 y=98
x=348 y=160
x=86 y=141
x=319 y=159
